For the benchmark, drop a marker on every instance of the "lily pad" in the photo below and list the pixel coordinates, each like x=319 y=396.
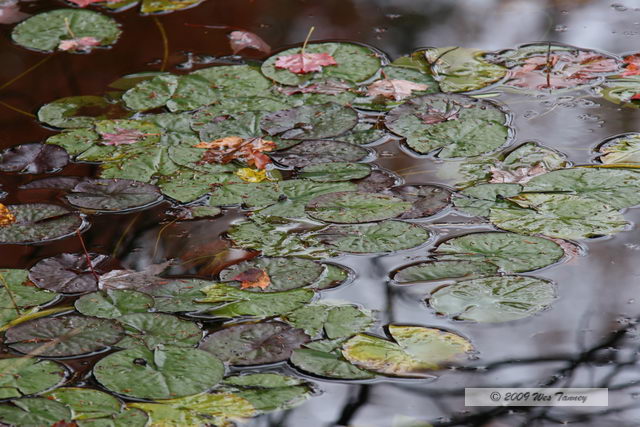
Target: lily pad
x=192 y=92
x=63 y=336
x=364 y=133
x=335 y=171
x=314 y=152
x=332 y=276
x=18 y=296
x=459 y=69
x=378 y=181
x=34 y=412
x=558 y=215
x=86 y=403
x=164 y=373
x=113 y=195
x=426 y=200
x=333 y=320
x=80 y=111
x=47 y=30
x=386 y=236
x=33 y=158
x=480 y=199
x=152 y=93
x=113 y=303
x=188 y=185
x=454 y=125
x=444 y=269
x=284 y=273
x=178 y=295
x=511 y=252
x=416 y=351
x=623 y=149
x=269 y=391
x=254 y=343
x=24 y=376
x=618 y=188
x=66 y=273
x=240 y=104
x=155 y=330
x=310 y=121
x=494 y=299
x=233 y=81
x=199 y=410
x=166 y=6
x=329 y=364
x=39 y=222
x=355 y=207
x=239 y=303
x=355 y=63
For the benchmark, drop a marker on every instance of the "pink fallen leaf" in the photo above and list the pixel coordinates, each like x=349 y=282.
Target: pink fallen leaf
x=303 y=63
x=394 y=88
x=632 y=63
x=10 y=12
x=571 y=249
x=330 y=87
x=122 y=137
x=85 y=3
x=81 y=43
x=240 y=40
x=517 y=176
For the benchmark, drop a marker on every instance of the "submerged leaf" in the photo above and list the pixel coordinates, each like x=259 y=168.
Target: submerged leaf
x=240 y=40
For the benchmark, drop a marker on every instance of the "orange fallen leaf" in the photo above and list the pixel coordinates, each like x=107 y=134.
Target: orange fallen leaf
x=249 y=150
x=6 y=217
x=253 y=278
x=303 y=63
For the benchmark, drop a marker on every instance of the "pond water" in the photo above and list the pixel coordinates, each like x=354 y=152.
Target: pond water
x=587 y=338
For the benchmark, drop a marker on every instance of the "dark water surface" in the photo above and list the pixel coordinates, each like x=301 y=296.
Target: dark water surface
x=574 y=343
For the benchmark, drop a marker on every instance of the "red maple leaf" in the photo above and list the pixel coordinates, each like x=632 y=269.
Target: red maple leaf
x=240 y=40
x=80 y=43
x=253 y=278
x=249 y=150
x=122 y=137
x=303 y=63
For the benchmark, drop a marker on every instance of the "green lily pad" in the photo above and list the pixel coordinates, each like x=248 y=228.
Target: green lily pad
x=154 y=330
x=355 y=63
x=24 y=376
x=63 y=336
x=274 y=240
x=355 y=207
x=80 y=111
x=192 y=92
x=559 y=215
x=480 y=199
x=386 y=236
x=455 y=125
x=335 y=321
x=154 y=6
x=310 y=121
x=164 y=373
x=178 y=295
x=459 y=69
x=175 y=129
x=113 y=303
x=624 y=149
x=128 y=81
x=225 y=106
x=416 y=351
x=511 y=252
x=233 y=81
x=129 y=417
x=34 y=412
x=245 y=124
x=254 y=343
x=284 y=273
x=620 y=91
x=329 y=364
x=45 y=31
x=319 y=151
x=444 y=269
x=39 y=222
x=152 y=93
x=18 y=295
x=494 y=299
x=86 y=403
x=238 y=302
x=426 y=200
x=199 y=410
x=113 y=194
x=364 y=133
x=335 y=171
x=269 y=392
x=332 y=276
x=618 y=188
x=188 y=185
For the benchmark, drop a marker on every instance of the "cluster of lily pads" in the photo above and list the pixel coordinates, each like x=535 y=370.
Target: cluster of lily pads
x=287 y=143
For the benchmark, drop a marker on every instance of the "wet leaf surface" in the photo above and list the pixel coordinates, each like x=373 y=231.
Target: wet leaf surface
x=33 y=158
x=270 y=392
x=80 y=111
x=67 y=273
x=334 y=321
x=19 y=295
x=113 y=194
x=444 y=269
x=621 y=150
x=426 y=200
x=254 y=343
x=25 y=376
x=310 y=121
x=335 y=171
x=34 y=412
x=322 y=151
x=113 y=303
x=328 y=364
x=156 y=330
x=39 y=222
x=356 y=207
x=170 y=372
x=283 y=273
x=480 y=199
x=494 y=299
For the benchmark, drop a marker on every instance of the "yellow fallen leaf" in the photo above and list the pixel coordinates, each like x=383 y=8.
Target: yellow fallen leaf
x=252 y=175
x=6 y=217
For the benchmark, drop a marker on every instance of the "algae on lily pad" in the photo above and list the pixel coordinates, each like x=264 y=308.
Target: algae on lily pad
x=494 y=298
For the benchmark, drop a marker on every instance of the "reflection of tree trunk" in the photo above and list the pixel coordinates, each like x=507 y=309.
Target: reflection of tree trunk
x=353 y=405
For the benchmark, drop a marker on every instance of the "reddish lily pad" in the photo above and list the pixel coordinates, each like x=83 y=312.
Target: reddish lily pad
x=33 y=158
x=67 y=273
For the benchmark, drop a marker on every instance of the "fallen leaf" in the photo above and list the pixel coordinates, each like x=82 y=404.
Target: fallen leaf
x=253 y=278
x=63 y=423
x=122 y=137
x=229 y=148
x=6 y=217
x=571 y=249
x=81 y=43
x=251 y=175
x=517 y=176
x=240 y=40
x=10 y=12
x=330 y=87
x=303 y=63
x=395 y=89
x=433 y=115
x=85 y=3
x=635 y=97
x=632 y=63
